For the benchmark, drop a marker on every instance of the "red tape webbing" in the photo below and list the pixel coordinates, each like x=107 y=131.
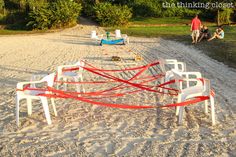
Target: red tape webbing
x=61 y=94
x=122 y=70
x=54 y=93
x=115 y=79
x=108 y=76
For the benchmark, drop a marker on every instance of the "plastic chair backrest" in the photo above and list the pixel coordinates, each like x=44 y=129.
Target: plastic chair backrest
x=118 y=33
x=181 y=66
x=36 y=77
x=171 y=64
x=190 y=78
x=162 y=63
x=49 y=79
x=207 y=86
x=93 y=34
x=177 y=77
x=80 y=64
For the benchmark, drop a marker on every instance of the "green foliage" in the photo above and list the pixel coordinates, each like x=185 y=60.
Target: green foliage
x=146 y=8
x=112 y=15
x=35 y=4
x=2 y=4
x=88 y=8
x=154 y=8
x=65 y=12
x=41 y=18
x=225 y=16
x=59 y=13
x=150 y=31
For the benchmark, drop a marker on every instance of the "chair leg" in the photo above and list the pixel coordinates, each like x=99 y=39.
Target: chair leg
x=46 y=109
x=53 y=106
x=177 y=108
x=180 y=109
x=17 y=110
x=57 y=85
x=77 y=85
x=212 y=110
x=167 y=78
x=206 y=106
x=82 y=80
x=58 y=79
x=65 y=85
x=162 y=80
x=29 y=106
x=181 y=114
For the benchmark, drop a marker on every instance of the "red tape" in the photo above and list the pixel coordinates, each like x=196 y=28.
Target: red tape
x=87 y=97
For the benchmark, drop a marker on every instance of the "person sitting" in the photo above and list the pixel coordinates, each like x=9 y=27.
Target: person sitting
x=219 y=34
x=205 y=33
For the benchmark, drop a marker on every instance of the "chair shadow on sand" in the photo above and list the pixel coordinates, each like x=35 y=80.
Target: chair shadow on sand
x=108 y=59
x=11 y=82
x=75 y=36
x=76 y=42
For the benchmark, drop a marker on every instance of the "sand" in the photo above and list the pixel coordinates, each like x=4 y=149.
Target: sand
x=81 y=129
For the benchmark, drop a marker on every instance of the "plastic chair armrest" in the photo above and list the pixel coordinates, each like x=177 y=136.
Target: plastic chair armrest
x=171 y=61
x=20 y=85
x=197 y=74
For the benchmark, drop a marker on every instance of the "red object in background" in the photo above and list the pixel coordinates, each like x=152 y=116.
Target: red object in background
x=196 y=23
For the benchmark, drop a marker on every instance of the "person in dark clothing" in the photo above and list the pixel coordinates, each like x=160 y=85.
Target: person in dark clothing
x=205 y=33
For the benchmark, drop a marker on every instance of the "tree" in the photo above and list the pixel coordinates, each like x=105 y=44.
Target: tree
x=221 y=14
x=2 y=6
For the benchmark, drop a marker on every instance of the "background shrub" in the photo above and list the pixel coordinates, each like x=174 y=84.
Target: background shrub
x=225 y=16
x=2 y=4
x=41 y=18
x=154 y=8
x=112 y=15
x=88 y=8
x=151 y=8
x=56 y=14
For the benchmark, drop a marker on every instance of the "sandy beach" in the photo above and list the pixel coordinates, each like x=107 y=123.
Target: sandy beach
x=81 y=129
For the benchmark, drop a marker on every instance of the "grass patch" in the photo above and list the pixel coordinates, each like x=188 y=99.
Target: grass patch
x=221 y=50
x=14 y=32
x=151 y=31
x=152 y=20
x=164 y=21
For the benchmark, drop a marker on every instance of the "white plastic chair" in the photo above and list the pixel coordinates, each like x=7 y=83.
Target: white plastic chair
x=36 y=77
x=96 y=37
x=166 y=66
x=195 y=86
x=119 y=35
x=66 y=75
x=30 y=95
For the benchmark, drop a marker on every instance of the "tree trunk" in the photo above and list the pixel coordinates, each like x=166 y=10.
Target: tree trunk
x=218 y=17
